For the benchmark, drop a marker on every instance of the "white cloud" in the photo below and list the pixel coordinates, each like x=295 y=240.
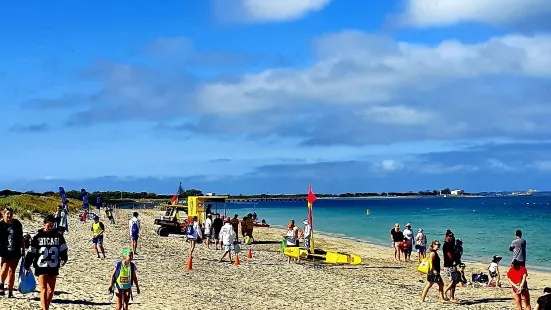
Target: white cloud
x=268 y=10
x=427 y=13
x=359 y=89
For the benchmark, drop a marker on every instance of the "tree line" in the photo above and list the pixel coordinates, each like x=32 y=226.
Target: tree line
x=118 y=196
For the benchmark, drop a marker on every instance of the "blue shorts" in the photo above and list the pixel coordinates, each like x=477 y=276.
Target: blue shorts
x=134 y=237
x=421 y=249
x=98 y=240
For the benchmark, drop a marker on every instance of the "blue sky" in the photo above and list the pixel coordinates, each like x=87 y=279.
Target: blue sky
x=244 y=96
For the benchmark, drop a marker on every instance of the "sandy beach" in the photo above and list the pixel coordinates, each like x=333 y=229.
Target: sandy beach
x=265 y=282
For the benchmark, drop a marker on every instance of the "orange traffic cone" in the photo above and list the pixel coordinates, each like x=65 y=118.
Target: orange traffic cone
x=189 y=263
x=250 y=255
x=236 y=263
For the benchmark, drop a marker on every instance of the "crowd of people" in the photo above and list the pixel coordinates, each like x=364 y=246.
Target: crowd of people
x=48 y=252
x=454 y=268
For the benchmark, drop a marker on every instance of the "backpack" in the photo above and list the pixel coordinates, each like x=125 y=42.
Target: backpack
x=190 y=231
x=135 y=228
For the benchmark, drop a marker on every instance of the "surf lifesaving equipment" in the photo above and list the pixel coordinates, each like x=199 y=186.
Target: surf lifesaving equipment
x=425 y=266
x=324 y=256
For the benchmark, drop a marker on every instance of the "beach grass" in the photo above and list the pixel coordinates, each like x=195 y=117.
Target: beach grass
x=27 y=205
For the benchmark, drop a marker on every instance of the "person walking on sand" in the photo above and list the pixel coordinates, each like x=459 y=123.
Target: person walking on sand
x=61 y=219
x=12 y=248
x=434 y=275
x=217 y=224
x=244 y=226
x=134 y=227
x=544 y=301
x=421 y=244
x=517 y=278
x=518 y=247
x=208 y=229
x=123 y=277
x=405 y=247
x=396 y=236
x=250 y=226
x=228 y=236
x=193 y=234
x=493 y=270
x=97 y=236
x=450 y=266
x=47 y=253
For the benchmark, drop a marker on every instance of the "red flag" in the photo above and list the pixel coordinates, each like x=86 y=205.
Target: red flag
x=311 y=196
x=174 y=199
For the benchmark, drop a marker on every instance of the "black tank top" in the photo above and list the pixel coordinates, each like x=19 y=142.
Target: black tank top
x=436 y=262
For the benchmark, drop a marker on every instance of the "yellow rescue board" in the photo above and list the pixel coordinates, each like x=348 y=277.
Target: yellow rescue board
x=296 y=252
x=332 y=257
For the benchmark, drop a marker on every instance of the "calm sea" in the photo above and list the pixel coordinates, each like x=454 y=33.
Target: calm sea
x=486 y=225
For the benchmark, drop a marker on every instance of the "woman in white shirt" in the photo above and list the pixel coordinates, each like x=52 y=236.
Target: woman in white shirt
x=421 y=244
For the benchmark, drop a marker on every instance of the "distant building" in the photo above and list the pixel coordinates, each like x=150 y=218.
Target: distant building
x=210 y=194
x=457 y=192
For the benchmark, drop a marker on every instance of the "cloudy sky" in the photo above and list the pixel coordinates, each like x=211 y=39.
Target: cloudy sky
x=246 y=96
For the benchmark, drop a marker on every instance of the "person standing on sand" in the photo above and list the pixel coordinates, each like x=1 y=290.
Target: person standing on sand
x=217 y=224
x=434 y=274
x=194 y=235
x=250 y=226
x=396 y=236
x=421 y=244
x=97 y=236
x=244 y=226
x=235 y=224
x=208 y=229
x=122 y=279
x=12 y=248
x=518 y=247
x=450 y=266
x=306 y=233
x=134 y=226
x=228 y=236
x=517 y=278
x=48 y=252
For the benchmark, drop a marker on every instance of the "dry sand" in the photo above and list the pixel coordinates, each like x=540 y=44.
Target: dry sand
x=265 y=282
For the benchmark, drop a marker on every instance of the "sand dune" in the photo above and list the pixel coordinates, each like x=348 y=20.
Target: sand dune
x=265 y=282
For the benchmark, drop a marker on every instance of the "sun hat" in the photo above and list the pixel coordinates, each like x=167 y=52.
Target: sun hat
x=420 y=230
x=408 y=225
x=305 y=222
x=126 y=251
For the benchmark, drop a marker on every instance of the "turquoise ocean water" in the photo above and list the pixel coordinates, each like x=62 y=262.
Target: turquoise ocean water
x=486 y=224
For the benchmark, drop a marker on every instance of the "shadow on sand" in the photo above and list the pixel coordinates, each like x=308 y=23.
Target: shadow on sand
x=77 y=302
x=484 y=301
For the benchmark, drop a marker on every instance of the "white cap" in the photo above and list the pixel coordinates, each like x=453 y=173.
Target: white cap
x=408 y=225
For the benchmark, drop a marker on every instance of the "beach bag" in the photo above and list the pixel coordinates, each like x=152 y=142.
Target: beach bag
x=283 y=245
x=425 y=266
x=27 y=283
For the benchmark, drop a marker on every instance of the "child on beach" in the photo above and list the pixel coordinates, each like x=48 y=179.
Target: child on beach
x=97 y=236
x=421 y=244
x=493 y=269
x=405 y=247
x=122 y=279
x=194 y=235
x=12 y=248
x=516 y=276
x=47 y=254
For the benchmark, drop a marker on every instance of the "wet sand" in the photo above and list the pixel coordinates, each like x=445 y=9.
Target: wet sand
x=265 y=282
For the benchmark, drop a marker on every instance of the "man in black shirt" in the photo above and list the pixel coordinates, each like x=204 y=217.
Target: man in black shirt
x=47 y=254
x=396 y=236
x=217 y=224
x=450 y=267
x=12 y=248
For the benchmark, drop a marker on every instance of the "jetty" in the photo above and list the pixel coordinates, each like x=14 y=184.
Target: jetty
x=263 y=199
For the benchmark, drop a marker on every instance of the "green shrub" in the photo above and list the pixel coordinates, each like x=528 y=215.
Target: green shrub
x=27 y=205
